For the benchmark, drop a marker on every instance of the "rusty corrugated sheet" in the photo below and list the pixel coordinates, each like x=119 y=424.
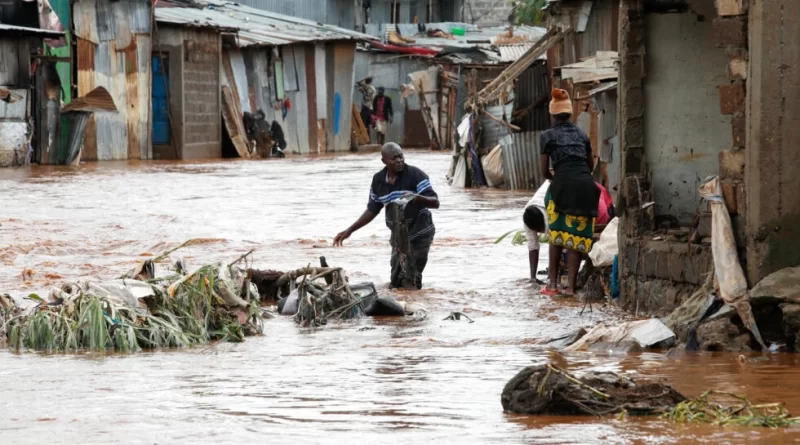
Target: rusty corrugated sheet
x=600 y=33
x=112 y=53
x=532 y=93
x=13 y=104
x=231 y=106
x=344 y=64
x=521 y=161
x=97 y=100
x=493 y=131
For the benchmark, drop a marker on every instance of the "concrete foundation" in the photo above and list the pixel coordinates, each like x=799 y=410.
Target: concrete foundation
x=772 y=170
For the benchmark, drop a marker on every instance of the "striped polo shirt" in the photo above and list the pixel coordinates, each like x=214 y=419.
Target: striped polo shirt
x=414 y=180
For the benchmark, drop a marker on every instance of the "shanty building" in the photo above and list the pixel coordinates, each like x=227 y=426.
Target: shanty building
x=113 y=41
x=298 y=72
x=23 y=103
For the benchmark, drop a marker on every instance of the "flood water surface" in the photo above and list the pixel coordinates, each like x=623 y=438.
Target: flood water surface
x=371 y=380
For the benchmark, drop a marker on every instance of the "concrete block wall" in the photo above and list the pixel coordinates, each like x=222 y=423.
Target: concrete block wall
x=772 y=157
x=661 y=275
x=201 y=105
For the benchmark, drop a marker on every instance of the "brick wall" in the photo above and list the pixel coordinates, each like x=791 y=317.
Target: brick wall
x=658 y=272
x=730 y=32
x=201 y=106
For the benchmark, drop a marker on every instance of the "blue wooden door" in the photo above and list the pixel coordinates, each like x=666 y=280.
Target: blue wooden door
x=160 y=114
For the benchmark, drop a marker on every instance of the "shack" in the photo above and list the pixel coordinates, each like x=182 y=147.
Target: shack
x=20 y=99
x=298 y=72
x=113 y=42
x=454 y=61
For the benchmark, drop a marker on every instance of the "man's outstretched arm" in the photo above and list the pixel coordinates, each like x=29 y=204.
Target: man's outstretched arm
x=362 y=221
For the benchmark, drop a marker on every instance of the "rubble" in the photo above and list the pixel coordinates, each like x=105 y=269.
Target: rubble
x=643 y=333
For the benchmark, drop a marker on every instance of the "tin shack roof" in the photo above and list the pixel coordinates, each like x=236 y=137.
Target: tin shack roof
x=6 y=30
x=253 y=26
x=490 y=45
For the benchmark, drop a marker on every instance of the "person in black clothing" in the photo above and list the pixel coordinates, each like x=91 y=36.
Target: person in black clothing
x=276 y=133
x=399 y=180
x=572 y=199
x=383 y=113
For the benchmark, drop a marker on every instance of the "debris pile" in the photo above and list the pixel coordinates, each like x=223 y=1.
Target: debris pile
x=548 y=389
x=318 y=302
x=216 y=302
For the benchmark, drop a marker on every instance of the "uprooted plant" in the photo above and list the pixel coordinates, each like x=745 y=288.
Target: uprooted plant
x=723 y=408
x=215 y=302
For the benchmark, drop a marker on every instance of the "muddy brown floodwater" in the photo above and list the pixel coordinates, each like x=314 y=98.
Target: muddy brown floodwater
x=371 y=381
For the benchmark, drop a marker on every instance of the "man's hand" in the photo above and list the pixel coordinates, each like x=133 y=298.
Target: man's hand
x=339 y=239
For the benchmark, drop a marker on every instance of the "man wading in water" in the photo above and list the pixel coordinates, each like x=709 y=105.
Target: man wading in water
x=398 y=180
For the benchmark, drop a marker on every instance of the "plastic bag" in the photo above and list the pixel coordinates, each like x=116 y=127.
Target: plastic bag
x=604 y=250
x=493 y=167
x=460 y=177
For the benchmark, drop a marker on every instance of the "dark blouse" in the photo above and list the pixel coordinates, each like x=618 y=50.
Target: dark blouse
x=563 y=141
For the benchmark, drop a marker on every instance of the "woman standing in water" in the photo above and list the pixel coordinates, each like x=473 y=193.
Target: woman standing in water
x=571 y=200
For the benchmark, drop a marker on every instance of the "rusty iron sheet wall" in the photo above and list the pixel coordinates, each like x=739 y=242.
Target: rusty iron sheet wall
x=521 y=161
x=14 y=62
x=601 y=30
x=114 y=51
x=343 y=85
x=533 y=85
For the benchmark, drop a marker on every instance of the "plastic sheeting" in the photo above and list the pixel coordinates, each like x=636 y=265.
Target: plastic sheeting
x=646 y=333
x=493 y=167
x=729 y=273
x=604 y=251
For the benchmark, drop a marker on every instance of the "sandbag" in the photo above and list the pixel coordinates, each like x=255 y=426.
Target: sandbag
x=493 y=167
x=604 y=250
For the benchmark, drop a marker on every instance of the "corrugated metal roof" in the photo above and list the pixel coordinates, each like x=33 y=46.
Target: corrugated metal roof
x=11 y=29
x=493 y=44
x=510 y=53
x=254 y=26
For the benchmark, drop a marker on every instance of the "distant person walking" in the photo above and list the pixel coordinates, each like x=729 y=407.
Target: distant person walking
x=368 y=93
x=383 y=114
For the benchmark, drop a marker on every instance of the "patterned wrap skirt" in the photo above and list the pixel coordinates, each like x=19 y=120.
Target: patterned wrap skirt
x=569 y=231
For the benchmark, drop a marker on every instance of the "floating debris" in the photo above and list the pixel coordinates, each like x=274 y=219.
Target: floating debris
x=723 y=408
x=216 y=302
x=456 y=316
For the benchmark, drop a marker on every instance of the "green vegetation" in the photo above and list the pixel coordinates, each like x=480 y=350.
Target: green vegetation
x=187 y=312
x=721 y=408
x=528 y=12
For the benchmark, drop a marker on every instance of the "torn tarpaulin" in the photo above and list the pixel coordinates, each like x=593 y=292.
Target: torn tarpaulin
x=48 y=19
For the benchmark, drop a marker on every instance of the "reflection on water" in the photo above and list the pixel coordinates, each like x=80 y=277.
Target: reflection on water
x=415 y=381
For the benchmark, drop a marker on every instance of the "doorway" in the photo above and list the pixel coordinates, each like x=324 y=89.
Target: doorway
x=161 y=130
